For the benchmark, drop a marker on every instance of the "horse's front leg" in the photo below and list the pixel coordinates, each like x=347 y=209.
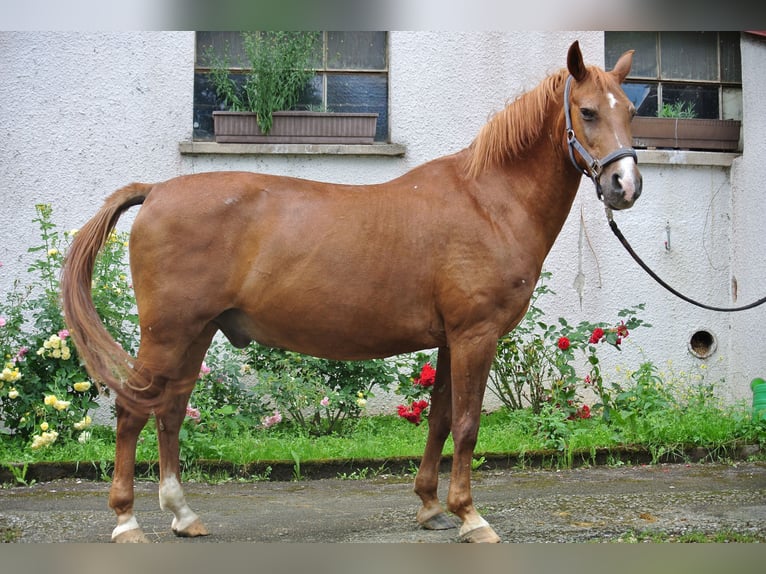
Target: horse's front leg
x=431 y=515
x=471 y=362
x=169 y=421
x=121 y=494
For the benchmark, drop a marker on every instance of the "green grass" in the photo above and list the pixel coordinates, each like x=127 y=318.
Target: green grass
x=517 y=433
x=721 y=536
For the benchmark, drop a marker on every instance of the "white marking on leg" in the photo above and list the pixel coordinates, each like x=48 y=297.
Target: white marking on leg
x=172 y=498
x=472 y=522
x=130 y=524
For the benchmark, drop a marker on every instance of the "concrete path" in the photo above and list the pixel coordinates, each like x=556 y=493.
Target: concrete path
x=601 y=503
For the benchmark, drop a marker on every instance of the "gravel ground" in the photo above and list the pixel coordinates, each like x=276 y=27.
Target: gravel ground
x=578 y=505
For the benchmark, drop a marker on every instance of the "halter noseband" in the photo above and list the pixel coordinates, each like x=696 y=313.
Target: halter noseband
x=595 y=166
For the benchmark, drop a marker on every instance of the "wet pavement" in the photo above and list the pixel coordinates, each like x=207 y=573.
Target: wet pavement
x=578 y=505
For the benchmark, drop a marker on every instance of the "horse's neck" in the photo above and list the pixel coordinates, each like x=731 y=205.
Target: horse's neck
x=535 y=190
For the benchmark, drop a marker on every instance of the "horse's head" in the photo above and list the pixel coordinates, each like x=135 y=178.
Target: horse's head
x=598 y=116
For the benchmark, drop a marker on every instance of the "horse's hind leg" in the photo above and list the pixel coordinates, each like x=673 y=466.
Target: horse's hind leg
x=185 y=521
x=121 y=496
x=177 y=378
x=169 y=421
x=431 y=515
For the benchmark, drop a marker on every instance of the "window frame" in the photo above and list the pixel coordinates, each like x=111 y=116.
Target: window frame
x=661 y=83
x=325 y=72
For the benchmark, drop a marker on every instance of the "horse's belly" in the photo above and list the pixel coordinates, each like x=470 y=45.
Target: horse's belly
x=343 y=327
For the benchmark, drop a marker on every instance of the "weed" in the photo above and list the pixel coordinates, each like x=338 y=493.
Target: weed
x=9 y=534
x=297 y=476
x=19 y=473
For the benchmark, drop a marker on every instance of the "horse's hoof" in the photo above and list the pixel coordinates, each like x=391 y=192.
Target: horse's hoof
x=196 y=528
x=135 y=535
x=441 y=521
x=482 y=534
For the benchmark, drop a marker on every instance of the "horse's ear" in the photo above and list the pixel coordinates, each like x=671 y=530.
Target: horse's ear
x=574 y=62
x=622 y=67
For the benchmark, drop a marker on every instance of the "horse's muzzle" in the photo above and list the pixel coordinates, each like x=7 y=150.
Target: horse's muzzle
x=621 y=184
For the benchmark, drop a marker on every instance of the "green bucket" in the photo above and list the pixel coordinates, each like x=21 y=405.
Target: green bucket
x=758 y=386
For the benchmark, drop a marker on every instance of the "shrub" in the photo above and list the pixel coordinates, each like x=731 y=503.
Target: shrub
x=317 y=395
x=45 y=392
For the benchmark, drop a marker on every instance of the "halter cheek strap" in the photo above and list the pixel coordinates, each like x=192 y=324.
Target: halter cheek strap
x=594 y=166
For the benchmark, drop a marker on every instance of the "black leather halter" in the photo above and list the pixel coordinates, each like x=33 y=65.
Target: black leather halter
x=595 y=166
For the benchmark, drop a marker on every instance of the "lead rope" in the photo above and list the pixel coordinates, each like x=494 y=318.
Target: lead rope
x=653 y=275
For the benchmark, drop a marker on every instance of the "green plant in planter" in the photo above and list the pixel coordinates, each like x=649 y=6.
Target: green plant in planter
x=279 y=69
x=678 y=110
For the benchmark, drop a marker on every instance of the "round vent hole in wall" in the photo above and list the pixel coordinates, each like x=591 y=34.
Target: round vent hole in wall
x=702 y=344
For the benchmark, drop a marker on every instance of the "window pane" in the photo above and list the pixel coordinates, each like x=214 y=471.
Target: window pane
x=644 y=58
x=689 y=55
x=731 y=104
x=360 y=93
x=356 y=50
x=703 y=99
x=228 y=44
x=643 y=96
x=205 y=102
x=731 y=61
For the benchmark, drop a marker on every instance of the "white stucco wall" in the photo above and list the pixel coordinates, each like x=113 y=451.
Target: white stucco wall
x=86 y=113
x=747 y=345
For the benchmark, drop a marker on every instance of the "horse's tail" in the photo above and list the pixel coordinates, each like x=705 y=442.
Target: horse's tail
x=106 y=361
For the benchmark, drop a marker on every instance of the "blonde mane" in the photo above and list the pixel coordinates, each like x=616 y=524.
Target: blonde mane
x=514 y=128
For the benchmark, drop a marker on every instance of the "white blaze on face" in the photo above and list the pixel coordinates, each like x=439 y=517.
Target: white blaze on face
x=626 y=167
x=613 y=104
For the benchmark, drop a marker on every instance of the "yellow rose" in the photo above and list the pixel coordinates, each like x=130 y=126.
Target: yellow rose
x=43 y=426
x=44 y=440
x=61 y=405
x=52 y=252
x=13 y=394
x=50 y=400
x=83 y=424
x=66 y=354
x=361 y=403
x=82 y=386
x=56 y=354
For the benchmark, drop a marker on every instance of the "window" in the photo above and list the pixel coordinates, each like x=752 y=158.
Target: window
x=696 y=72
x=351 y=76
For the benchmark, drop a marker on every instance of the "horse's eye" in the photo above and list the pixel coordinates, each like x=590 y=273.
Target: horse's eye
x=588 y=114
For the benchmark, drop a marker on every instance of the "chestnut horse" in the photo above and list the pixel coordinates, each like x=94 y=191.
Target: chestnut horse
x=446 y=256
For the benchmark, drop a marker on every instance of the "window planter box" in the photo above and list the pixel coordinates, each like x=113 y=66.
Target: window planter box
x=296 y=127
x=683 y=133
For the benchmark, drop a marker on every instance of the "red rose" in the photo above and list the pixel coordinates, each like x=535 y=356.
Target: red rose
x=596 y=336
x=622 y=330
x=413 y=412
x=563 y=343
x=427 y=376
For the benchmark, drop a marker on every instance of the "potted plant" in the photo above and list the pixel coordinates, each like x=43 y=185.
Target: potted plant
x=259 y=108
x=677 y=127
